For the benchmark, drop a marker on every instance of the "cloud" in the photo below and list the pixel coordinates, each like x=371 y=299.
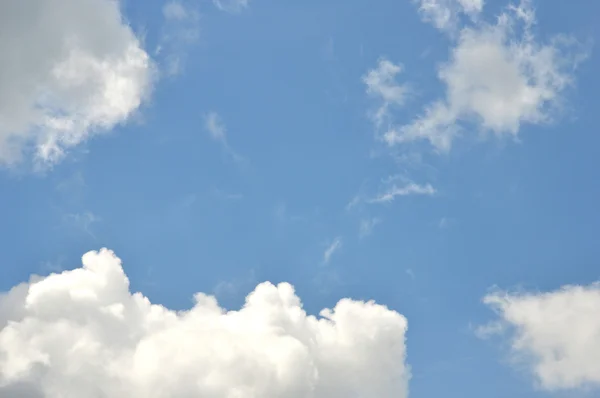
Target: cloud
x=81 y=333
x=72 y=69
x=331 y=249
x=83 y=221
x=366 y=227
x=557 y=333
x=215 y=127
x=233 y=6
x=381 y=85
x=227 y=195
x=445 y=14
x=175 y=11
x=445 y=222
x=498 y=78
x=181 y=29
x=411 y=188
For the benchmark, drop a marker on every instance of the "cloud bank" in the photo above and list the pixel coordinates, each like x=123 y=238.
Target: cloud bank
x=81 y=333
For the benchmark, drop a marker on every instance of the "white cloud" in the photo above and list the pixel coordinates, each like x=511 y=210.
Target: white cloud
x=445 y=14
x=81 y=333
x=367 y=226
x=331 y=249
x=381 y=84
x=409 y=189
x=556 y=333
x=233 y=6
x=215 y=127
x=71 y=69
x=498 y=78
x=181 y=29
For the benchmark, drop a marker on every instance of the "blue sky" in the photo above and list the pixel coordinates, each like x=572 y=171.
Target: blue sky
x=423 y=154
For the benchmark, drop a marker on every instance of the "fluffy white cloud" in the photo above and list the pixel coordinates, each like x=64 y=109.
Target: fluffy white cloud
x=382 y=85
x=70 y=69
x=81 y=333
x=556 y=333
x=444 y=14
x=231 y=5
x=499 y=77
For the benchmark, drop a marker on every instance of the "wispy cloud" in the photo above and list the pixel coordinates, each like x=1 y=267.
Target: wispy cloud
x=235 y=287
x=233 y=6
x=355 y=201
x=331 y=249
x=227 y=195
x=82 y=221
x=367 y=226
x=218 y=132
x=180 y=30
x=445 y=14
x=445 y=222
x=382 y=85
x=409 y=189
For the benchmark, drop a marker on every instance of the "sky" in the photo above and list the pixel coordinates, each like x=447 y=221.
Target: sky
x=257 y=198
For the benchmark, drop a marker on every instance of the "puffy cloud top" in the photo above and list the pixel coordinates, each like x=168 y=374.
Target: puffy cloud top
x=81 y=333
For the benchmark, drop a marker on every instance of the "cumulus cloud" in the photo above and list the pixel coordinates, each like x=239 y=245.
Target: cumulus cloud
x=556 y=333
x=81 y=333
x=70 y=69
x=382 y=85
x=499 y=77
x=232 y=6
x=445 y=14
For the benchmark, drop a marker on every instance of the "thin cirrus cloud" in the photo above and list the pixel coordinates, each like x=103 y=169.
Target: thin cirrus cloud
x=393 y=188
x=81 y=332
x=394 y=191
x=233 y=6
x=180 y=30
x=214 y=125
x=58 y=92
x=499 y=77
x=334 y=247
x=556 y=334
x=367 y=226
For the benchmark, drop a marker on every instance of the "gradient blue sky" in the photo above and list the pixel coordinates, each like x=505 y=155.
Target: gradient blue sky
x=260 y=159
